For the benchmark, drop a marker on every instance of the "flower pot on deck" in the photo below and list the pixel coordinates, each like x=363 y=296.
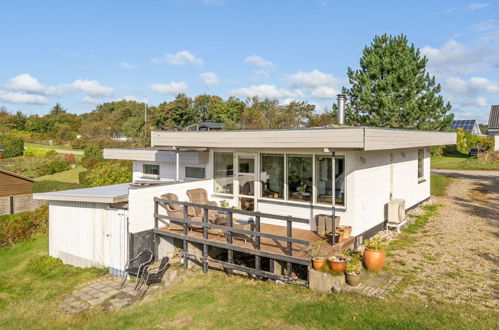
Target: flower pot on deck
x=374 y=259
x=337 y=264
x=347 y=231
x=318 y=263
x=353 y=278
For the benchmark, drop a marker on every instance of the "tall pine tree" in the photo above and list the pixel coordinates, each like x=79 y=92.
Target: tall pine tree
x=393 y=89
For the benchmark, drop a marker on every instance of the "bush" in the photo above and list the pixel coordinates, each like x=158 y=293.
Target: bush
x=35 y=152
x=466 y=141
x=91 y=162
x=82 y=178
x=489 y=156
x=70 y=158
x=57 y=166
x=54 y=185
x=92 y=151
x=108 y=173
x=14 y=146
x=19 y=227
x=100 y=142
x=49 y=267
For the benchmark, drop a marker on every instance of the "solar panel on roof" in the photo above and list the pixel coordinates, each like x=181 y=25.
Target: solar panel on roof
x=465 y=124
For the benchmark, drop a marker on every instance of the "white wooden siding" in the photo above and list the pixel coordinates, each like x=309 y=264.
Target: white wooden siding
x=88 y=235
x=167 y=170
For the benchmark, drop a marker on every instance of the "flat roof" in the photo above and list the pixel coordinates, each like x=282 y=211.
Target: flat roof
x=360 y=138
x=106 y=194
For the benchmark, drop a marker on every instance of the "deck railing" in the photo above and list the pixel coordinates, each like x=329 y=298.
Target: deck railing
x=230 y=230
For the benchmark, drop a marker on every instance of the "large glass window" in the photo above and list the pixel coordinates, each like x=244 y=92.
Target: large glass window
x=272 y=175
x=300 y=177
x=246 y=175
x=420 y=163
x=323 y=181
x=224 y=172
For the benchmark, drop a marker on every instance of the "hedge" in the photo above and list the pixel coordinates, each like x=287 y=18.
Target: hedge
x=14 y=146
x=19 y=227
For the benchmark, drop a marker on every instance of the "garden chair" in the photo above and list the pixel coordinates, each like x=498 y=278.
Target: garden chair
x=200 y=196
x=177 y=211
x=150 y=277
x=137 y=265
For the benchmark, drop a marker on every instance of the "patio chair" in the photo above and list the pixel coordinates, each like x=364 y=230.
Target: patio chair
x=137 y=265
x=150 y=277
x=200 y=196
x=176 y=211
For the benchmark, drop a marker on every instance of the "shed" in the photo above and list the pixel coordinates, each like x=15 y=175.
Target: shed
x=14 y=184
x=494 y=125
x=89 y=227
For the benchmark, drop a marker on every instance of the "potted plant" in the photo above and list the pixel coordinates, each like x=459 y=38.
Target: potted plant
x=352 y=270
x=337 y=263
x=374 y=253
x=318 y=261
x=224 y=203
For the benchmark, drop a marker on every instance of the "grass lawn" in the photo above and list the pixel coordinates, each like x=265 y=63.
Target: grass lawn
x=31 y=288
x=439 y=184
x=59 y=181
x=459 y=161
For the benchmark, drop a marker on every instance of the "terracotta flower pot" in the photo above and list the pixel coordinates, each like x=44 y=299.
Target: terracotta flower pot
x=374 y=259
x=353 y=278
x=337 y=265
x=318 y=263
x=347 y=231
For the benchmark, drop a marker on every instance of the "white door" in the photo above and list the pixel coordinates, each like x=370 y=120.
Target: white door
x=115 y=249
x=246 y=181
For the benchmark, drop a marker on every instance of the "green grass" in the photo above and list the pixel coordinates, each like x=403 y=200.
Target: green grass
x=60 y=181
x=439 y=184
x=32 y=286
x=459 y=161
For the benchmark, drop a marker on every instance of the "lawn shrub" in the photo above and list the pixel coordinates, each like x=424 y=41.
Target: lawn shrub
x=70 y=158
x=108 y=173
x=90 y=162
x=58 y=165
x=100 y=142
x=93 y=151
x=82 y=178
x=19 y=227
x=14 y=146
x=36 y=152
x=54 y=185
x=466 y=140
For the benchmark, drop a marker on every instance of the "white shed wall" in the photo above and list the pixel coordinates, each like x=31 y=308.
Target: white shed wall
x=88 y=235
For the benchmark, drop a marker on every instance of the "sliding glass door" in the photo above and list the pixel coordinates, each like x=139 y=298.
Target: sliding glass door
x=246 y=177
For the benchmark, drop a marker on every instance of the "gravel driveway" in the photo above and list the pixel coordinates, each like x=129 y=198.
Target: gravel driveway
x=454 y=258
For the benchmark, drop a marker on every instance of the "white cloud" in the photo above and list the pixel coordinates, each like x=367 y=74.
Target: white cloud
x=89 y=101
x=260 y=74
x=478 y=5
x=183 y=57
x=25 y=83
x=476 y=102
x=213 y=2
x=455 y=58
x=270 y=91
x=258 y=61
x=472 y=86
x=485 y=26
x=22 y=98
x=91 y=87
x=128 y=66
x=210 y=79
x=172 y=88
x=321 y=85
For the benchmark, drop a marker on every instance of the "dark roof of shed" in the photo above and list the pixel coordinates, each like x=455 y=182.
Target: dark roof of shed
x=16 y=175
x=494 y=117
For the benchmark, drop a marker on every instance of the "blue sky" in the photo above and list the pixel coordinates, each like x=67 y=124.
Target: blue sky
x=81 y=53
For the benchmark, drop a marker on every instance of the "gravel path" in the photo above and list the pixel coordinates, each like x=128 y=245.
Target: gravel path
x=454 y=258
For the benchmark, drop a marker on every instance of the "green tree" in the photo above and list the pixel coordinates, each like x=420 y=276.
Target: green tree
x=393 y=89
x=57 y=110
x=108 y=173
x=178 y=112
x=19 y=121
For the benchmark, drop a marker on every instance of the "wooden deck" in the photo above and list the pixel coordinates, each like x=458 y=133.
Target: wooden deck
x=274 y=246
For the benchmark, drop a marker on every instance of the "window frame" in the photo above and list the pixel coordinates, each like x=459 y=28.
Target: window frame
x=152 y=165
x=420 y=167
x=196 y=167
x=233 y=153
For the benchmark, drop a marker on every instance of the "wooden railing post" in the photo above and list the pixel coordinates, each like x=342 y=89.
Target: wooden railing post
x=205 y=236
x=258 y=259
x=289 y=250
x=230 y=253
x=156 y=225
x=186 y=233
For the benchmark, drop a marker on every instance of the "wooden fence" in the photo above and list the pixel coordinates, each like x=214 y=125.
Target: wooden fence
x=19 y=203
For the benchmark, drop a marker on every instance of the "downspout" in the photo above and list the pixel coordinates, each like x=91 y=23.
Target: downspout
x=177 y=166
x=333 y=195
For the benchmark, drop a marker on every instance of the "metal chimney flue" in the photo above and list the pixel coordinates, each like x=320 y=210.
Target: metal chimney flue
x=341 y=109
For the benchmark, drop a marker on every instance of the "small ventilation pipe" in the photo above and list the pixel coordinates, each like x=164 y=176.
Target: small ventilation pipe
x=341 y=109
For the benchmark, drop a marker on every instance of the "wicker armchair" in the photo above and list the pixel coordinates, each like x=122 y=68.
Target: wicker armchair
x=176 y=211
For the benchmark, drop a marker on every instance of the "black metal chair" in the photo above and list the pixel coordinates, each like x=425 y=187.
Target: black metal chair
x=137 y=265
x=149 y=277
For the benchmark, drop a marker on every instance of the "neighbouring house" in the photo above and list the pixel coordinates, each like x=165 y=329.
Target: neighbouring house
x=468 y=125
x=204 y=126
x=493 y=125
x=15 y=193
